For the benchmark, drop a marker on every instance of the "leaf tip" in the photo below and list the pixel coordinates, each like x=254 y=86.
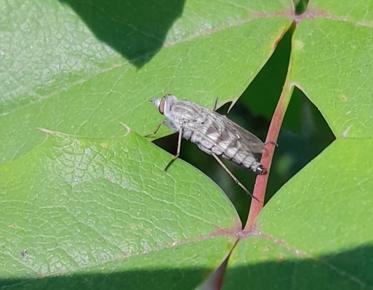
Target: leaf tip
x=126 y=128
x=346 y=131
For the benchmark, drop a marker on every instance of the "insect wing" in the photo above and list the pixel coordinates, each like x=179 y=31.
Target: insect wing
x=216 y=127
x=248 y=140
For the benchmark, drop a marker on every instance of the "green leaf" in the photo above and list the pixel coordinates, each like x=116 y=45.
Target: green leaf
x=73 y=83
x=317 y=231
x=332 y=65
x=86 y=204
x=83 y=212
x=83 y=204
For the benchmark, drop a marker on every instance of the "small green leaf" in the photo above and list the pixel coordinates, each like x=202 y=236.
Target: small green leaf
x=332 y=65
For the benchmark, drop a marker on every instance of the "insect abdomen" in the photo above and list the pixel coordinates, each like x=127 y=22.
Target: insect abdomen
x=227 y=145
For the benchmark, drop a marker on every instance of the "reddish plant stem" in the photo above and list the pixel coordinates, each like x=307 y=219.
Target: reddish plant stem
x=271 y=141
x=216 y=280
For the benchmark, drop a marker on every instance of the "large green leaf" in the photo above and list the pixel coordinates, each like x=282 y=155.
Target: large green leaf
x=73 y=86
x=317 y=232
x=85 y=209
x=86 y=204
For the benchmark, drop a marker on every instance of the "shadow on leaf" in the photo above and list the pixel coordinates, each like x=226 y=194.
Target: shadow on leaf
x=345 y=270
x=135 y=29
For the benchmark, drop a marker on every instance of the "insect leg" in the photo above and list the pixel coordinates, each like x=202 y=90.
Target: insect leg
x=232 y=176
x=155 y=131
x=231 y=107
x=215 y=104
x=177 y=151
x=271 y=142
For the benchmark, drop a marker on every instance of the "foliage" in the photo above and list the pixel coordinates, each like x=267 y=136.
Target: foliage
x=85 y=200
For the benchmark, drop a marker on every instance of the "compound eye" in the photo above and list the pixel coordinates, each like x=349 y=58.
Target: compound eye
x=161 y=106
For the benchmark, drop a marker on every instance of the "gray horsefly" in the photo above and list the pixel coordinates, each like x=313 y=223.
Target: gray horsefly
x=212 y=132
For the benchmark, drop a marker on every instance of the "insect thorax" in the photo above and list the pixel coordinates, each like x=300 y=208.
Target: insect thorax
x=182 y=113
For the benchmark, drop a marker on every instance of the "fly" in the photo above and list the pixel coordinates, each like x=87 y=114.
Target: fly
x=213 y=133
